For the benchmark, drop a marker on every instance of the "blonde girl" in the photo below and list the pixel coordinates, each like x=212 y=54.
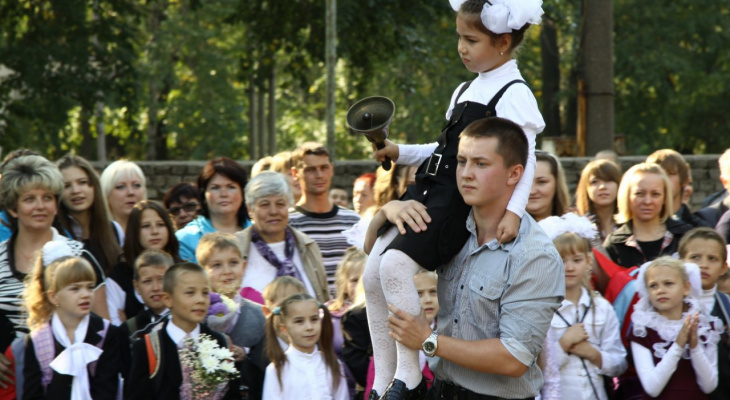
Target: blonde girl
x=585 y=330
x=309 y=368
x=71 y=353
x=673 y=343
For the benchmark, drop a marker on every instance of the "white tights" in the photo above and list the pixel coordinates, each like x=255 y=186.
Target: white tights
x=388 y=279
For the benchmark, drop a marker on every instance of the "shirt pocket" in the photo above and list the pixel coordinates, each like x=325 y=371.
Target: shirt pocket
x=485 y=295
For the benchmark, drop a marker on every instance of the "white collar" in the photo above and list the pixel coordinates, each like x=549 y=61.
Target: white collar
x=709 y=292
x=504 y=69
x=585 y=300
x=293 y=352
x=178 y=335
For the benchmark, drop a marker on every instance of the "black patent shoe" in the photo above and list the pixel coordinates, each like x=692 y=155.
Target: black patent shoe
x=397 y=390
x=373 y=395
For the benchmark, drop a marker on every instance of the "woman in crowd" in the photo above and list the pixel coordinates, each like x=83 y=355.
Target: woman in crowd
x=83 y=214
x=221 y=184
x=150 y=227
x=281 y=162
x=182 y=203
x=31 y=189
x=124 y=185
x=645 y=209
x=549 y=193
x=363 y=196
x=271 y=246
x=596 y=194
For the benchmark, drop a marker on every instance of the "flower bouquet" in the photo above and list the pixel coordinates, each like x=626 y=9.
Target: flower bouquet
x=223 y=312
x=209 y=368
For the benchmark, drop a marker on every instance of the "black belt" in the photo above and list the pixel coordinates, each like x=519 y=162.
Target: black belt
x=446 y=390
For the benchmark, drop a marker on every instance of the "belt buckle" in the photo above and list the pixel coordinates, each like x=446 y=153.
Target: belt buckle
x=436 y=165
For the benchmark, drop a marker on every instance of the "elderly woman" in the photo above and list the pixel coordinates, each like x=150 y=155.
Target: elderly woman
x=123 y=185
x=271 y=246
x=31 y=189
x=221 y=184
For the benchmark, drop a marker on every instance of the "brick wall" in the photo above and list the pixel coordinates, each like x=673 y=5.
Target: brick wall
x=163 y=174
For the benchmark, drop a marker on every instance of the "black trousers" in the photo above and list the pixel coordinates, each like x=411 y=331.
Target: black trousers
x=448 y=391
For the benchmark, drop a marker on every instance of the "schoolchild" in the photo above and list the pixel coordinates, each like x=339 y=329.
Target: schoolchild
x=70 y=352
x=156 y=371
x=673 y=342
x=309 y=369
x=706 y=248
x=427 y=227
x=149 y=271
x=221 y=257
x=587 y=342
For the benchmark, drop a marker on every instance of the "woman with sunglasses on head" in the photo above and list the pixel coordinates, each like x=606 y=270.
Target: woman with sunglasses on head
x=182 y=203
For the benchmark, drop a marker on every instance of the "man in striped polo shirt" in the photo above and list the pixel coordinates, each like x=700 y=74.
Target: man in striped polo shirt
x=496 y=300
x=315 y=214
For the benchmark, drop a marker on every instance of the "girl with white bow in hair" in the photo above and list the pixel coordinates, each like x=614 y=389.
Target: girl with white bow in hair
x=673 y=343
x=70 y=352
x=427 y=227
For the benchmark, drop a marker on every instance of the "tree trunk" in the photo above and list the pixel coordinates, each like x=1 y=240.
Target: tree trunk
x=598 y=74
x=550 y=77
x=100 y=133
x=87 y=148
x=252 y=142
x=272 y=111
x=261 y=123
x=331 y=62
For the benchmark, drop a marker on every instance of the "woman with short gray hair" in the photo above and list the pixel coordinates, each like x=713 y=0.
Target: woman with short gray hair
x=271 y=246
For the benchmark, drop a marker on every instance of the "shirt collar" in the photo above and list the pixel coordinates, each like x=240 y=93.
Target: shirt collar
x=493 y=244
x=293 y=352
x=504 y=69
x=585 y=300
x=178 y=335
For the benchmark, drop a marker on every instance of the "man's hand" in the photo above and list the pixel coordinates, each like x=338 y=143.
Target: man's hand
x=390 y=150
x=508 y=227
x=410 y=330
x=408 y=212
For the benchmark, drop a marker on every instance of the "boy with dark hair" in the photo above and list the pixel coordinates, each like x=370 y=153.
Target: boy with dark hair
x=156 y=372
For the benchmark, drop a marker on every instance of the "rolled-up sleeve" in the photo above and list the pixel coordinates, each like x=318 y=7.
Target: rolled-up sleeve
x=536 y=290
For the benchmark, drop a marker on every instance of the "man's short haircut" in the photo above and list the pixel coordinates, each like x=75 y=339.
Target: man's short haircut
x=704 y=234
x=308 y=149
x=213 y=243
x=672 y=163
x=174 y=272
x=152 y=258
x=511 y=140
x=180 y=190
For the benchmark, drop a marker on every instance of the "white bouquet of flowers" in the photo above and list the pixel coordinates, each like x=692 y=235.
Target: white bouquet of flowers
x=210 y=368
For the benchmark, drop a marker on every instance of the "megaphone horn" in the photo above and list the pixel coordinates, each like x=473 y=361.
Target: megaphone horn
x=371 y=117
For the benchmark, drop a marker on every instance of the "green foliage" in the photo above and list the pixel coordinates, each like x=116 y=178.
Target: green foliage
x=673 y=75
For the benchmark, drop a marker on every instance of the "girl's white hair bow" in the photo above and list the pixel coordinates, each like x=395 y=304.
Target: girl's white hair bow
x=504 y=16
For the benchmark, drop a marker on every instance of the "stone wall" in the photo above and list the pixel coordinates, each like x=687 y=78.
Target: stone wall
x=163 y=174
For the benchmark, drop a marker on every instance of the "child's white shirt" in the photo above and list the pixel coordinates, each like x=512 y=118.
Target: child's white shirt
x=707 y=300
x=305 y=377
x=518 y=104
x=603 y=334
x=178 y=335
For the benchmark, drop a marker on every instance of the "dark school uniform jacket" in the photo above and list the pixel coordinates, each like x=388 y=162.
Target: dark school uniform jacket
x=104 y=382
x=166 y=384
x=722 y=392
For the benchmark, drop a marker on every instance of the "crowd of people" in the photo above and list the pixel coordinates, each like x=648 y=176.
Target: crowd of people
x=466 y=271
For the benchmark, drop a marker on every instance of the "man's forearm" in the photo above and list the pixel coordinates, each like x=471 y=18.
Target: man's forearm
x=486 y=355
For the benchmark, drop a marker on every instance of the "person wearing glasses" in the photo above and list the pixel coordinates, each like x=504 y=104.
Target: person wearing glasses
x=181 y=201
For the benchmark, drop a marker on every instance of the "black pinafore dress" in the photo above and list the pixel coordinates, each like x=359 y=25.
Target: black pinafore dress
x=436 y=188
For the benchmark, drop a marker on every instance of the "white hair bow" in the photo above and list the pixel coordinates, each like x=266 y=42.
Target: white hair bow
x=556 y=226
x=504 y=16
x=56 y=249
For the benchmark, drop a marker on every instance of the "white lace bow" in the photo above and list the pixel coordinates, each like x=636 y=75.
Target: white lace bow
x=504 y=16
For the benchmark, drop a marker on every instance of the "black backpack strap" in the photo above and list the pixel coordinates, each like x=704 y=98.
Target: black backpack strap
x=493 y=103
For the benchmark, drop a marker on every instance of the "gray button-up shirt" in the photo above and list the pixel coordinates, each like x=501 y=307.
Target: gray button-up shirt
x=508 y=291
